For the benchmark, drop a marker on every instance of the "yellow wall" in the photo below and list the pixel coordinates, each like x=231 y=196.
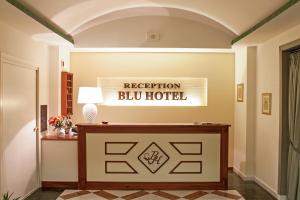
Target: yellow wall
x=217 y=67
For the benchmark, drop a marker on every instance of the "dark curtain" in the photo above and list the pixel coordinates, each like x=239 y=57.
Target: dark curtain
x=294 y=128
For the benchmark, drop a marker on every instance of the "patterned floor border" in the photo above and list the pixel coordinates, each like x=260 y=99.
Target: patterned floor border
x=150 y=195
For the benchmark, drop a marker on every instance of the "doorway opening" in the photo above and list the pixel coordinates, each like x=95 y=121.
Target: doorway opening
x=285 y=52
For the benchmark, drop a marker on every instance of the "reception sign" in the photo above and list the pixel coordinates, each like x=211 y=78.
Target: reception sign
x=148 y=91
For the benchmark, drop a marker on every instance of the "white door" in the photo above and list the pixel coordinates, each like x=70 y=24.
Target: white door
x=19 y=171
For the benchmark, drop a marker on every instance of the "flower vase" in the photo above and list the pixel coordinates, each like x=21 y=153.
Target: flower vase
x=67 y=130
x=59 y=131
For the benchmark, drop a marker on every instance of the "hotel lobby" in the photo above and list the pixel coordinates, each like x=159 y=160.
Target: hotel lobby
x=149 y=99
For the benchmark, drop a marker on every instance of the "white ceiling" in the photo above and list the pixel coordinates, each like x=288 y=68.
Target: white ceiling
x=150 y=11
x=278 y=25
x=236 y=15
x=233 y=16
x=19 y=20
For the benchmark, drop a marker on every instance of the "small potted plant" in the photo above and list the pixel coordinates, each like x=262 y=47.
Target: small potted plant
x=58 y=123
x=7 y=196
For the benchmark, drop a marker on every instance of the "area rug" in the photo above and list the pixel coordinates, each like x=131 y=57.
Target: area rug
x=150 y=195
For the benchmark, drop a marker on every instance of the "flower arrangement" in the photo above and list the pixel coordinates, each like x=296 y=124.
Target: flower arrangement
x=57 y=121
x=61 y=122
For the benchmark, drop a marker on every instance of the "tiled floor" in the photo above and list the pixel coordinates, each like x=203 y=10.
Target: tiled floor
x=149 y=195
x=249 y=190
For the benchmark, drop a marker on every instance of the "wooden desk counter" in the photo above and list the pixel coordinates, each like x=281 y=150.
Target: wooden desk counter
x=152 y=156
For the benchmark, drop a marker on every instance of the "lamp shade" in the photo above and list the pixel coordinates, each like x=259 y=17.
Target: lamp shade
x=89 y=95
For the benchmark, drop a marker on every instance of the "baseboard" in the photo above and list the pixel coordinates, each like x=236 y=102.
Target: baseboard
x=269 y=189
x=242 y=175
x=59 y=185
x=28 y=194
x=282 y=197
x=259 y=182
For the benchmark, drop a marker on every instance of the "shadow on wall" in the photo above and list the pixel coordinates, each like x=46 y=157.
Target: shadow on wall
x=14 y=145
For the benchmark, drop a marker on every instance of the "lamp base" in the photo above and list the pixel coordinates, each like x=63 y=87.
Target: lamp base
x=89 y=112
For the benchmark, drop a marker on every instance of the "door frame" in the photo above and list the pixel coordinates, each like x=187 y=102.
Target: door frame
x=284 y=52
x=9 y=59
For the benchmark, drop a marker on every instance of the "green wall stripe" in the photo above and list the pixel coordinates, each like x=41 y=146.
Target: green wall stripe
x=41 y=19
x=266 y=20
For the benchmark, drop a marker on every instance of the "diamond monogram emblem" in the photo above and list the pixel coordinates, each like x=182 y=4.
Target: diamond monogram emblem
x=153 y=157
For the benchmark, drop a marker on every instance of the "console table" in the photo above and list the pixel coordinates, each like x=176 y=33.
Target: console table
x=59 y=160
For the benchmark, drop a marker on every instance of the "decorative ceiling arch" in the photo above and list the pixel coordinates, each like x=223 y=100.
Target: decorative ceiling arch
x=236 y=16
x=152 y=11
x=72 y=18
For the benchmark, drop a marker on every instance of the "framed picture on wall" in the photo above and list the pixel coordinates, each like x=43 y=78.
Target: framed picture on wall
x=240 y=92
x=266 y=103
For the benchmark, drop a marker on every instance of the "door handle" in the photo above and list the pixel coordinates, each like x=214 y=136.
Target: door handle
x=35 y=129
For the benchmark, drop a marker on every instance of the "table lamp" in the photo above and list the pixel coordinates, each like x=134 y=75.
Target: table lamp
x=89 y=96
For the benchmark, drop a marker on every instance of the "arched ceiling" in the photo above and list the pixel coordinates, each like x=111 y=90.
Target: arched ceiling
x=150 y=11
x=231 y=17
x=236 y=15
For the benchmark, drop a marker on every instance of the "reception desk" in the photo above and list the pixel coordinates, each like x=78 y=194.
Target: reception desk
x=152 y=156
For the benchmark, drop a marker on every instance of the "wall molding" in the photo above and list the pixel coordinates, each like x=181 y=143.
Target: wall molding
x=9 y=59
x=30 y=193
x=266 y=187
x=34 y=14
x=282 y=197
x=267 y=19
x=59 y=185
x=243 y=175
x=259 y=182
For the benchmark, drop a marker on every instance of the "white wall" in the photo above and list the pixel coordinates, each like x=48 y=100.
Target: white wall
x=267 y=127
x=58 y=54
x=64 y=55
x=20 y=45
x=240 y=111
x=244 y=118
x=54 y=79
x=251 y=113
